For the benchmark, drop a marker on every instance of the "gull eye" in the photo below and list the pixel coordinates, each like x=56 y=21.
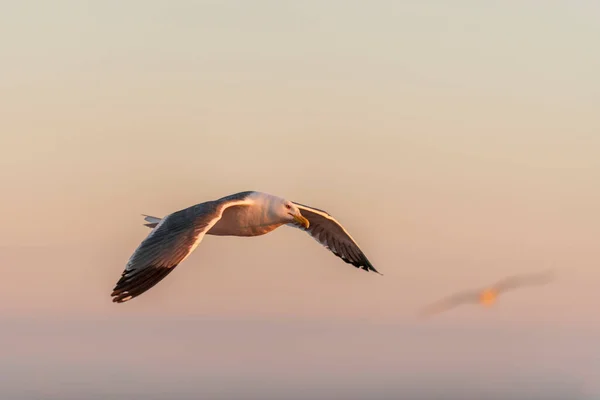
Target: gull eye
x=288 y=206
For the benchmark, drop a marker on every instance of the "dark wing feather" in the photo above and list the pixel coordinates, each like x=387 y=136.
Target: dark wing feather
x=331 y=234
x=169 y=243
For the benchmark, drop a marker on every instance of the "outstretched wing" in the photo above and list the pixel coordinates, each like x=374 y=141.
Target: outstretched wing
x=331 y=234
x=514 y=282
x=172 y=240
x=450 y=302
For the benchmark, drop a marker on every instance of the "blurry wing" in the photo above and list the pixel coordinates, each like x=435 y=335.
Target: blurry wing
x=331 y=234
x=171 y=241
x=514 y=282
x=450 y=302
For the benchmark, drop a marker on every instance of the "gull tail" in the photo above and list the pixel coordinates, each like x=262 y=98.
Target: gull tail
x=152 y=221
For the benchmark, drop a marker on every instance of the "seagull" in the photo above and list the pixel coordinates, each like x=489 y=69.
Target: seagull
x=487 y=296
x=174 y=237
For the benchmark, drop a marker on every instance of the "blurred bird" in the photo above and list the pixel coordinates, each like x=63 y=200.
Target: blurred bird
x=487 y=296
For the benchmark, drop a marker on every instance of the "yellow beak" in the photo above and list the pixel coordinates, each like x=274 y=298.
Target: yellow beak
x=302 y=221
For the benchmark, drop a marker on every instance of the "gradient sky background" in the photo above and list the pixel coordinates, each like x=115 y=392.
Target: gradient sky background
x=458 y=143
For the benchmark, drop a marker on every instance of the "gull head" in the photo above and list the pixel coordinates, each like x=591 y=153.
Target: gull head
x=290 y=213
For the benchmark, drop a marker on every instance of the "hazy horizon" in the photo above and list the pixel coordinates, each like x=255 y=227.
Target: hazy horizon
x=251 y=358
x=458 y=144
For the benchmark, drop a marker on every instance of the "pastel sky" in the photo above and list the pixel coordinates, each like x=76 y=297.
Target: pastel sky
x=458 y=142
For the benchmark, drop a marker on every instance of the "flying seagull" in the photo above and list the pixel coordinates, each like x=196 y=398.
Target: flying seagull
x=487 y=296
x=174 y=237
